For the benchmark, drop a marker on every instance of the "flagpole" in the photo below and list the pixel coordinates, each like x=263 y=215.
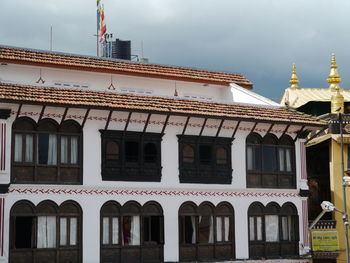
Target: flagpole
x=97 y=31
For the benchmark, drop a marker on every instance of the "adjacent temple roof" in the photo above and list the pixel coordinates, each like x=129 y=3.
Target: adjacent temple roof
x=27 y=94
x=114 y=66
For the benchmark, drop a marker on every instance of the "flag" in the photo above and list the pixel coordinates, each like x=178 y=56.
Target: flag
x=101 y=26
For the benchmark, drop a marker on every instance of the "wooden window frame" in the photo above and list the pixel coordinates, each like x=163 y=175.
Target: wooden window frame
x=121 y=170
x=259 y=249
x=259 y=178
x=121 y=252
x=46 y=208
x=209 y=173
x=218 y=250
x=33 y=172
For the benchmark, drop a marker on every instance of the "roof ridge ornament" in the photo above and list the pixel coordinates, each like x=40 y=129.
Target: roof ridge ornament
x=334 y=78
x=294 y=81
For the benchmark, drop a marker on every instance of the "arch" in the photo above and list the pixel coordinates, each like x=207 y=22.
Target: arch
x=272 y=208
x=70 y=207
x=188 y=208
x=256 y=208
x=24 y=124
x=23 y=208
x=224 y=208
x=289 y=209
x=112 y=208
x=254 y=138
x=48 y=125
x=70 y=126
x=286 y=140
x=270 y=139
x=206 y=208
x=152 y=207
x=47 y=207
x=131 y=208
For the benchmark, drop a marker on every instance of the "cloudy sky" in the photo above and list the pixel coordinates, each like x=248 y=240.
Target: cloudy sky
x=258 y=38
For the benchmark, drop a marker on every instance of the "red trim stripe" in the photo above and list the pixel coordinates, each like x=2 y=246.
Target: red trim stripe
x=2 y=204
x=3 y=160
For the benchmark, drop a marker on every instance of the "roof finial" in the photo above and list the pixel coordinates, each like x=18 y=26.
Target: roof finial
x=294 y=81
x=334 y=78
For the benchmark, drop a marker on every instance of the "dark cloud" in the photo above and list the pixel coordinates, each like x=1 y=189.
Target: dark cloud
x=258 y=38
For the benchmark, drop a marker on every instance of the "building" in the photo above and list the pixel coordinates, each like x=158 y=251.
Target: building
x=325 y=153
x=120 y=49
x=113 y=161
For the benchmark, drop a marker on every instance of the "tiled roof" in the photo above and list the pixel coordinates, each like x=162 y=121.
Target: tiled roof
x=97 y=64
x=16 y=93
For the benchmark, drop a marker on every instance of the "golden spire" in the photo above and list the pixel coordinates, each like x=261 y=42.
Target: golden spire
x=294 y=81
x=334 y=78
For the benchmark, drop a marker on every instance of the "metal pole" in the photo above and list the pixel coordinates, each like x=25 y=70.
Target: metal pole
x=345 y=215
x=97 y=49
x=51 y=38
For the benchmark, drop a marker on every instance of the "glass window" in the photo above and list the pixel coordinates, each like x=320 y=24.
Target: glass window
x=46 y=232
x=269 y=158
x=150 y=153
x=223 y=229
x=131 y=230
x=221 y=155
x=47 y=148
x=205 y=229
x=205 y=153
x=18 y=147
x=188 y=154
x=63 y=231
x=151 y=230
x=131 y=151
x=271 y=228
x=112 y=150
x=189 y=228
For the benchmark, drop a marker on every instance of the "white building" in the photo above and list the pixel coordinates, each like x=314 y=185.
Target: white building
x=100 y=162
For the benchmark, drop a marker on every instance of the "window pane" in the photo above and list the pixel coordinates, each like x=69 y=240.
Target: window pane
x=105 y=231
x=221 y=156
x=281 y=159
x=115 y=230
x=150 y=153
x=23 y=232
x=257 y=159
x=18 y=148
x=46 y=232
x=63 y=231
x=131 y=151
x=219 y=229
x=271 y=228
x=112 y=150
x=74 y=150
x=188 y=154
x=269 y=157
x=64 y=149
x=227 y=228
x=131 y=230
x=285 y=228
x=73 y=231
x=47 y=148
x=288 y=160
x=29 y=148
x=259 y=228
x=205 y=229
x=205 y=154
x=251 y=228
x=189 y=229
x=250 y=157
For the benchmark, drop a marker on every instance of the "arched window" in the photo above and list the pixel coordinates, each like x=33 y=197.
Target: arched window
x=131 y=233
x=188 y=154
x=221 y=155
x=112 y=150
x=45 y=231
x=46 y=152
x=270 y=161
x=272 y=230
x=206 y=232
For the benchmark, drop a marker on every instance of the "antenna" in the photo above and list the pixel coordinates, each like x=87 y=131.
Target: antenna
x=141 y=48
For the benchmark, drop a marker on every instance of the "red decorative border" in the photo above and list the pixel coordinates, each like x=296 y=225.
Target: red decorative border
x=97 y=118
x=3 y=147
x=2 y=205
x=148 y=192
x=305 y=223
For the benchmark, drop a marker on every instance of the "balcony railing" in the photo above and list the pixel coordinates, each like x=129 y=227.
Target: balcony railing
x=324 y=224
